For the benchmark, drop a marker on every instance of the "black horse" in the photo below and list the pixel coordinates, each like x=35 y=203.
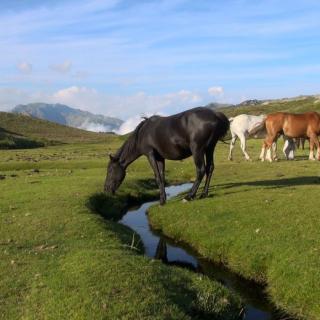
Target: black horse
x=193 y=132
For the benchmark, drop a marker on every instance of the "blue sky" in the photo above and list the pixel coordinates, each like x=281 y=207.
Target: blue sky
x=129 y=57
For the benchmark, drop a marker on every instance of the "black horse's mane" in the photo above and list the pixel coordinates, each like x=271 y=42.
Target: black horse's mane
x=131 y=143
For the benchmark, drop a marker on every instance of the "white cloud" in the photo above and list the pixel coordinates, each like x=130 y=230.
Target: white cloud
x=126 y=106
x=81 y=97
x=10 y=97
x=184 y=96
x=63 y=67
x=24 y=67
x=91 y=100
x=74 y=92
x=215 y=91
x=90 y=126
x=129 y=125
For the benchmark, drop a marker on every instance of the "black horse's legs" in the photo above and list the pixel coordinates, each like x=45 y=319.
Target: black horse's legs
x=154 y=164
x=209 y=171
x=199 y=162
x=161 y=167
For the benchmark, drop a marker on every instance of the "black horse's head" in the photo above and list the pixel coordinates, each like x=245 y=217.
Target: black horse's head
x=115 y=175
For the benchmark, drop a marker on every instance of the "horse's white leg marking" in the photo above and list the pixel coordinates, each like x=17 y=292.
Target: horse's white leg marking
x=263 y=153
x=286 y=149
x=243 y=146
x=311 y=154
x=269 y=157
x=233 y=141
x=292 y=147
x=291 y=154
x=274 y=151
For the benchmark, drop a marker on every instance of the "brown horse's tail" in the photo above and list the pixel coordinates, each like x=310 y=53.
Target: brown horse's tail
x=259 y=129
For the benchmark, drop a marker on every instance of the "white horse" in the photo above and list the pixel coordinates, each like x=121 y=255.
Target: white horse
x=240 y=127
x=243 y=127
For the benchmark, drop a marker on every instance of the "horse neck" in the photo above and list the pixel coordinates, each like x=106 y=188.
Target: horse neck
x=128 y=153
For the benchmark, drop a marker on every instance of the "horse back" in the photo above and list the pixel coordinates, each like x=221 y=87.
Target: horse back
x=203 y=125
x=244 y=123
x=294 y=125
x=173 y=137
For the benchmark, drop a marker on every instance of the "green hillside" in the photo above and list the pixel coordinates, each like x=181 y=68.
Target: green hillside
x=19 y=131
x=65 y=115
x=295 y=105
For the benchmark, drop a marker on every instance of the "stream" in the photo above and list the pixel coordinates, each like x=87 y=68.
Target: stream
x=157 y=246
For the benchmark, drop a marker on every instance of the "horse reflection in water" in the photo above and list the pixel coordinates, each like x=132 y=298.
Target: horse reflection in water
x=162 y=254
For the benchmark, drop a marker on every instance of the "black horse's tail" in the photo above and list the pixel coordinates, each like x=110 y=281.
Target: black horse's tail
x=224 y=125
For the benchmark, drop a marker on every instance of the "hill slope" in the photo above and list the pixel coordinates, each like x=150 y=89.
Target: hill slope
x=257 y=107
x=20 y=131
x=65 y=115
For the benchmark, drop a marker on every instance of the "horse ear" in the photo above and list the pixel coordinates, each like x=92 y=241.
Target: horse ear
x=112 y=158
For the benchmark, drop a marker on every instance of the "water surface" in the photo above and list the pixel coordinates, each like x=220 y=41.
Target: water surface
x=257 y=305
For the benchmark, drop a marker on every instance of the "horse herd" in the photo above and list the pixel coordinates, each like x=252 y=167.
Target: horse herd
x=195 y=133
x=247 y=126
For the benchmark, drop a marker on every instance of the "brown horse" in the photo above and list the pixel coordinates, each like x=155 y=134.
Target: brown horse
x=304 y=125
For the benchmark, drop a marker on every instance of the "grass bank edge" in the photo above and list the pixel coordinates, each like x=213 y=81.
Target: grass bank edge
x=262 y=274
x=135 y=193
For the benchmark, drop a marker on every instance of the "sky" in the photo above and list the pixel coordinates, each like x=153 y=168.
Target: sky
x=126 y=58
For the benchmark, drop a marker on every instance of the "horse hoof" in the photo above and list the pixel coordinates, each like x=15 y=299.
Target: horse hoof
x=188 y=198
x=203 y=195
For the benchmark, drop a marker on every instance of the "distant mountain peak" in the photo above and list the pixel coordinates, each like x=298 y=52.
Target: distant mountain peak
x=250 y=102
x=63 y=114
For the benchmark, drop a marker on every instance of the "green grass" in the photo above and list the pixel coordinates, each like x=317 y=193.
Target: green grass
x=299 y=105
x=60 y=259
x=262 y=221
x=20 y=131
x=14 y=141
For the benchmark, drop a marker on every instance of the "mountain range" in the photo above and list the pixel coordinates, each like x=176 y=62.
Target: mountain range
x=257 y=103
x=62 y=114
x=65 y=115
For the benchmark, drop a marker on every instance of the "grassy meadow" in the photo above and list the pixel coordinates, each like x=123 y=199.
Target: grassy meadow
x=63 y=255
x=61 y=259
x=296 y=105
x=261 y=221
